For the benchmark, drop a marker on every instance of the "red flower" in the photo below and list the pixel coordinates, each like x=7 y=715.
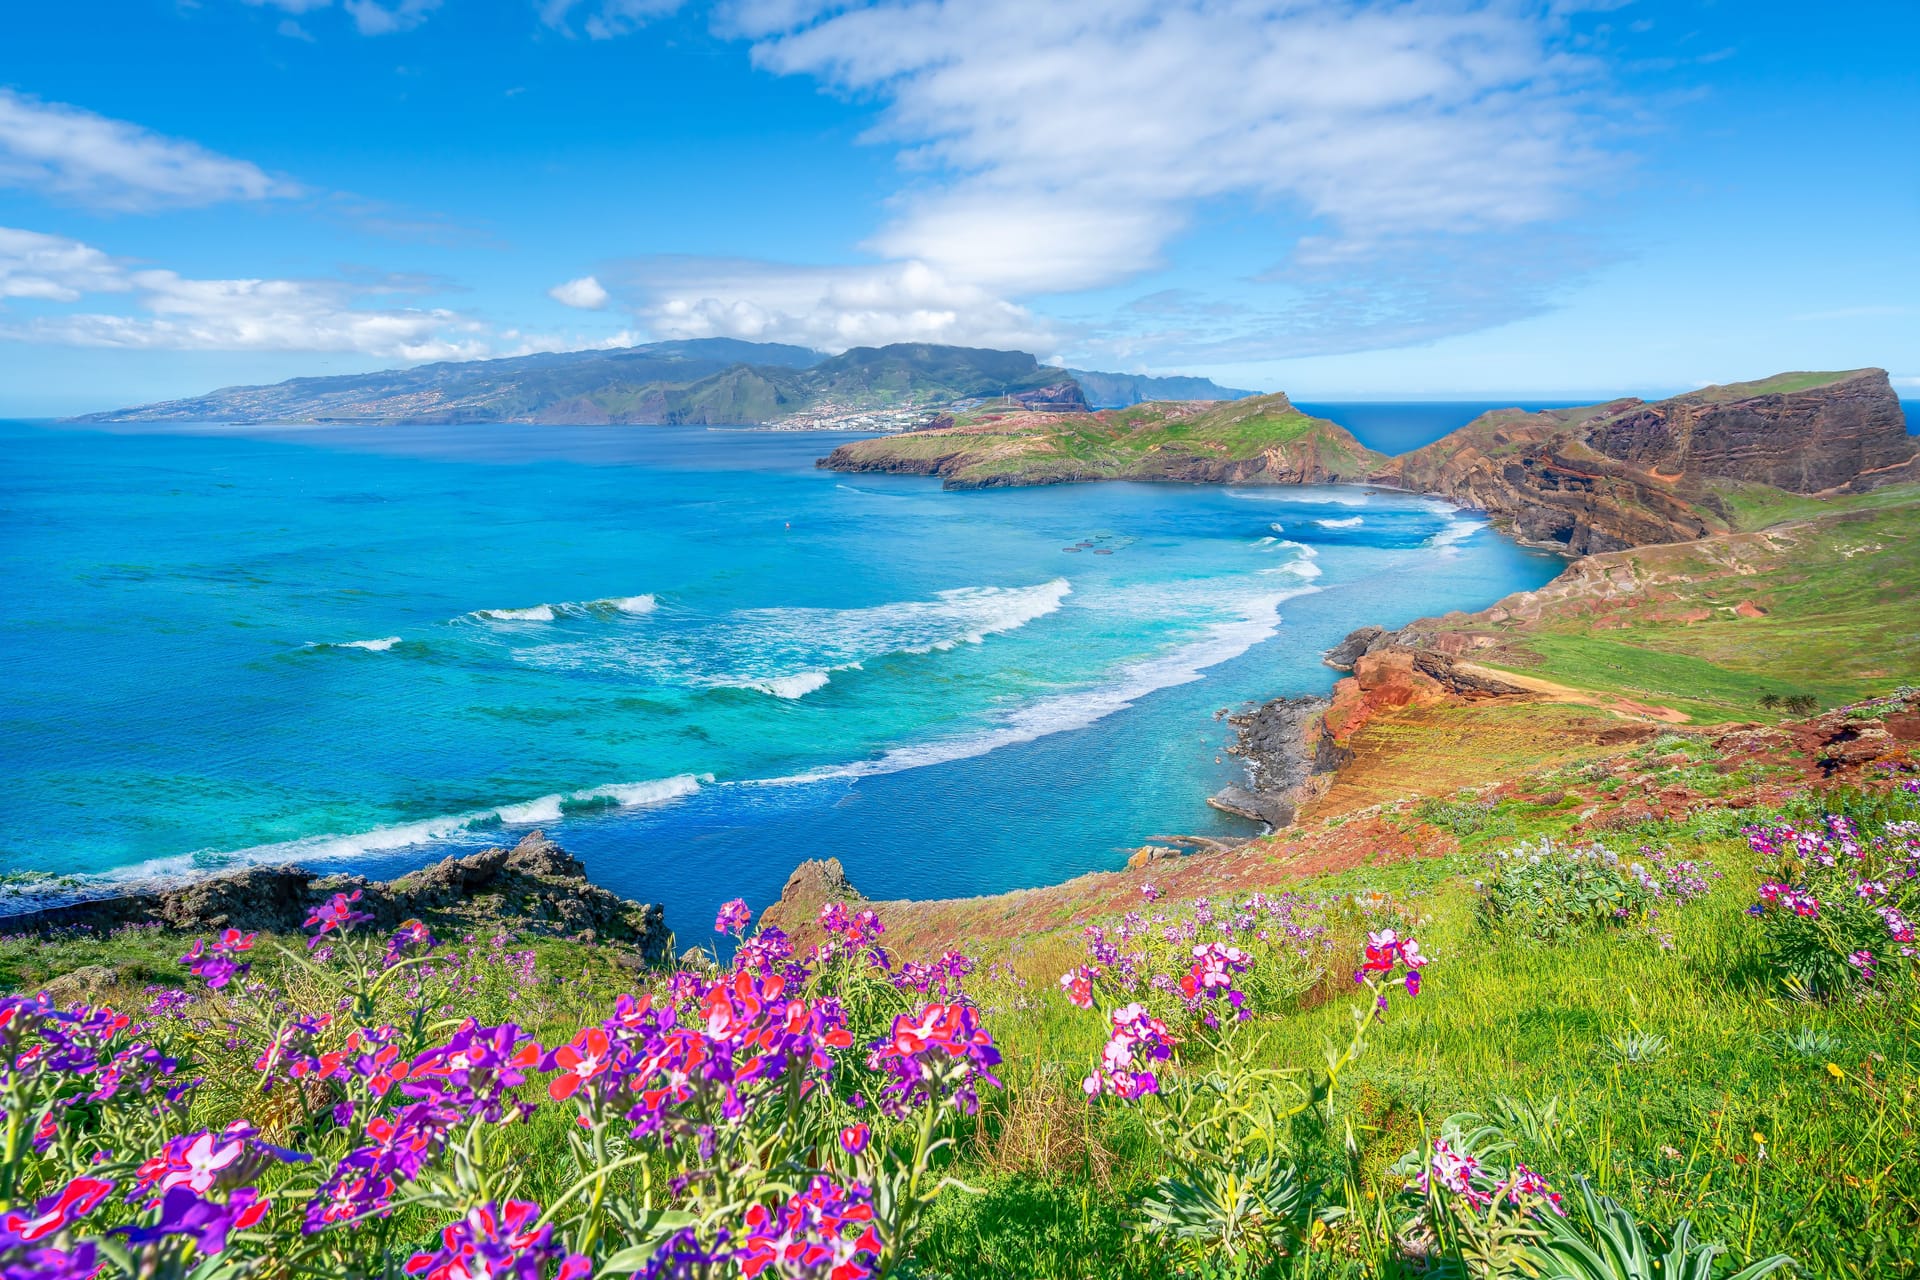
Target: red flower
x=581 y=1060
x=58 y=1211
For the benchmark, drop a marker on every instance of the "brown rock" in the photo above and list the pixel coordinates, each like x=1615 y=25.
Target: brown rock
x=1748 y=609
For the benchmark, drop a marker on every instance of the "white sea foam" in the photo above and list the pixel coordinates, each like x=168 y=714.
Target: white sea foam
x=371 y=646
x=1304 y=564
x=398 y=836
x=790 y=652
x=1258 y=619
x=634 y=605
x=1455 y=531
x=1348 y=523
x=794 y=686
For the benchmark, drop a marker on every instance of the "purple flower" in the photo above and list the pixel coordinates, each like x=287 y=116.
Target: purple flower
x=183 y=1213
x=734 y=918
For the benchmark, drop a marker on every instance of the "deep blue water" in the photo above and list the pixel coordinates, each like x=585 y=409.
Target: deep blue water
x=689 y=654
x=1396 y=427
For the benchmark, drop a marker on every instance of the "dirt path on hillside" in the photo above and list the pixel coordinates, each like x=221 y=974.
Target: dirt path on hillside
x=1552 y=692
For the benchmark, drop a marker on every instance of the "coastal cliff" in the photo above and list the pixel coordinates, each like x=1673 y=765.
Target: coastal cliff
x=1259 y=440
x=1631 y=473
x=1598 y=478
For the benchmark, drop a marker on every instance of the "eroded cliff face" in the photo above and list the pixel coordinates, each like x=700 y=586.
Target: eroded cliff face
x=1631 y=473
x=1804 y=441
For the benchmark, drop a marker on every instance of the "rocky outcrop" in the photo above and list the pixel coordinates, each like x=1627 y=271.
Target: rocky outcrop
x=1288 y=758
x=813 y=884
x=1631 y=473
x=1390 y=676
x=535 y=887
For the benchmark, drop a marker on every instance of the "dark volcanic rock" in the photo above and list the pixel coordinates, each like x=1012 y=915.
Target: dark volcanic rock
x=1343 y=655
x=535 y=887
x=1287 y=750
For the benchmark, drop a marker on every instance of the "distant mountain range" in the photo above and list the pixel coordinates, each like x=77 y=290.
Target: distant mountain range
x=712 y=381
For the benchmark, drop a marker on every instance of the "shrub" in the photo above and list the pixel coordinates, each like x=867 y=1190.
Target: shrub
x=1838 y=907
x=1550 y=892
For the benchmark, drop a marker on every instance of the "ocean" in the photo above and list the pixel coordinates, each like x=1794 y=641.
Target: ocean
x=691 y=656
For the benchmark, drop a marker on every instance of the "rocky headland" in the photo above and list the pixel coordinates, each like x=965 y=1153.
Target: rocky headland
x=1604 y=477
x=1259 y=440
x=536 y=888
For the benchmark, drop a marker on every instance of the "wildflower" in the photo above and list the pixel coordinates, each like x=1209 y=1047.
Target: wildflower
x=579 y=1061
x=1528 y=1184
x=195 y=1161
x=1136 y=1037
x=1149 y=892
x=54 y=1213
x=1077 y=984
x=183 y=1212
x=826 y=1231
x=79 y=1263
x=494 y=1243
x=733 y=918
x=215 y=964
x=854 y=1138
x=336 y=913
x=941 y=1048
x=410 y=935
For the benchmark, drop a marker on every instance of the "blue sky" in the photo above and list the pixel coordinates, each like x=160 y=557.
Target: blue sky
x=1422 y=199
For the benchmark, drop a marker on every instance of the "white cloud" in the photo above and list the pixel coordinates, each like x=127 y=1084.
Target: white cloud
x=370 y=17
x=180 y=313
x=585 y=293
x=53 y=268
x=828 y=308
x=1397 y=153
x=112 y=164
x=1068 y=142
x=605 y=18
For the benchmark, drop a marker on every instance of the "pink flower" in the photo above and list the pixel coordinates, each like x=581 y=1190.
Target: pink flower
x=733 y=918
x=1077 y=985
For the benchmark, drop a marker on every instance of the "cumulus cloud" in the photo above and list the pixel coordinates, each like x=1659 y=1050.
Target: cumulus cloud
x=111 y=164
x=177 y=312
x=585 y=293
x=1070 y=141
x=1391 y=149
x=53 y=268
x=828 y=308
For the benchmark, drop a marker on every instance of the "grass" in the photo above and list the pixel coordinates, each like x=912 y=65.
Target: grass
x=1837 y=592
x=1773 y=1125
x=1142 y=442
x=1671 y=1135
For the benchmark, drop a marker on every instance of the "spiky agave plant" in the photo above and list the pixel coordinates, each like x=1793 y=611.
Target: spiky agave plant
x=1618 y=1250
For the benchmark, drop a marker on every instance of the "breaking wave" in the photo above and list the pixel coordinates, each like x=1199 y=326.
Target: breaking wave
x=392 y=838
x=1348 y=523
x=789 y=652
x=371 y=646
x=632 y=605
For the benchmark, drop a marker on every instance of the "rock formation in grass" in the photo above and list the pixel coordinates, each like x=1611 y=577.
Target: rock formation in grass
x=536 y=887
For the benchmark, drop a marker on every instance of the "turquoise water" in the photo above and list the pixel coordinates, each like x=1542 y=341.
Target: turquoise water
x=689 y=654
